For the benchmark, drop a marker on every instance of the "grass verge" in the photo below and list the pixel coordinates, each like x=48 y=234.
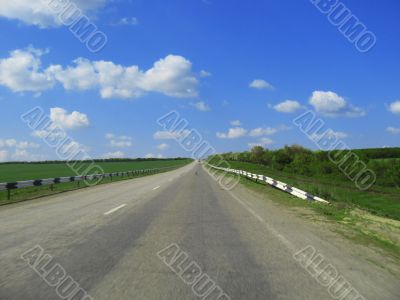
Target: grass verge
x=380 y=201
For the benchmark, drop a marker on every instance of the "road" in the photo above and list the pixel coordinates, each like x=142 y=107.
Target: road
x=106 y=238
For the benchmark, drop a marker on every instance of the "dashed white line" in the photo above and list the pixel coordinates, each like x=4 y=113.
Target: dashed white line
x=114 y=209
x=157 y=187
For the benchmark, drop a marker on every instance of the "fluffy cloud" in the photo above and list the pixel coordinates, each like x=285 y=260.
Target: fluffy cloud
x=41 y=13
x=49 y=133
x=171 y=76
x=117 y=154
x=163 y=147
x=204 y=73
x=75 y=147
x=61 y=121
x=329 y=134
x=131 y=21
x=17 y=150
x=60 y=117
x=263 y=131
x=261 y=84
x=393 y=130
x=233 y=133
x=288 y=106
x=201 y=106
x=395 y=107
x=119 y=141
x=238 y=132
x=24 y=155
x=170 y=135
x=12 y=143
x=236 y=123
x=332 y=105
x=261 y=142
x=151 y=155
x=20 y=72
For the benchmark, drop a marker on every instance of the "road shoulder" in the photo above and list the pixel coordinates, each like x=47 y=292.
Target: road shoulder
x=369 y=268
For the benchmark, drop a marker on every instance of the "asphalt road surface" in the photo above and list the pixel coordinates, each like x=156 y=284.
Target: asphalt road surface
x=133 y=239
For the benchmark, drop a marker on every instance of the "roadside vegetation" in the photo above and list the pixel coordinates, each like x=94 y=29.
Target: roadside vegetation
x=314 y=172
x=11 y=172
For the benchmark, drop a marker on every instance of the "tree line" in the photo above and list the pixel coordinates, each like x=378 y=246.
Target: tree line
x=295 y=159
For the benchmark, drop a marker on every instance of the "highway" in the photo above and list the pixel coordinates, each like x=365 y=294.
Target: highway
x=109 y=240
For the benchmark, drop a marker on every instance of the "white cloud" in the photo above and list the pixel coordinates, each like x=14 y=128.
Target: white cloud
x=3 y=155
x=60 y=117
x=238 y=132
x=75 y=147
x=129 y=21
x=120 y=144
x=233 y=133
x=236 y=123
x=20 y=150
x=201 y=106
x=119 y=141
x=329 y=134
x=332 y=105
x=395 y=107
x=261 y=142
x=261 y=84
x=263 y=131
x=163 y=147
x=20 y=72
x=171 y=76
x=288 y=106
x=393 y=130
x=41 y=13
x=170 y=135
x=61 y=121
x=13 y=143
x=116 y=154
x=51 y=132
x=21 y=155
x=205 y=74
x=151 y=155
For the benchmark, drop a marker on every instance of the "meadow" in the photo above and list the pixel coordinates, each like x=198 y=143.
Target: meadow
x=27 y=171
x=10 y=172
x=383 y=201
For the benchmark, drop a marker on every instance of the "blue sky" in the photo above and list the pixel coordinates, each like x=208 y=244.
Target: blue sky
x=239 y=72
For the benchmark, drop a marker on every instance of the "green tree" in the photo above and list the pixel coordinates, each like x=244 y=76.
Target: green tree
x=257 y=154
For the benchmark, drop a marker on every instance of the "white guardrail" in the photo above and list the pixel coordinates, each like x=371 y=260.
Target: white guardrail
x=275 y=183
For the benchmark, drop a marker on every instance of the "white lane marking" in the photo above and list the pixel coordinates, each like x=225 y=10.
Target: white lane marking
x=157 y=187
x=271 y=229
x=114 y=209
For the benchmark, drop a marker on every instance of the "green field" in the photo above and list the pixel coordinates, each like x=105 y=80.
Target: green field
x=19 y=172
x=11 y=172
